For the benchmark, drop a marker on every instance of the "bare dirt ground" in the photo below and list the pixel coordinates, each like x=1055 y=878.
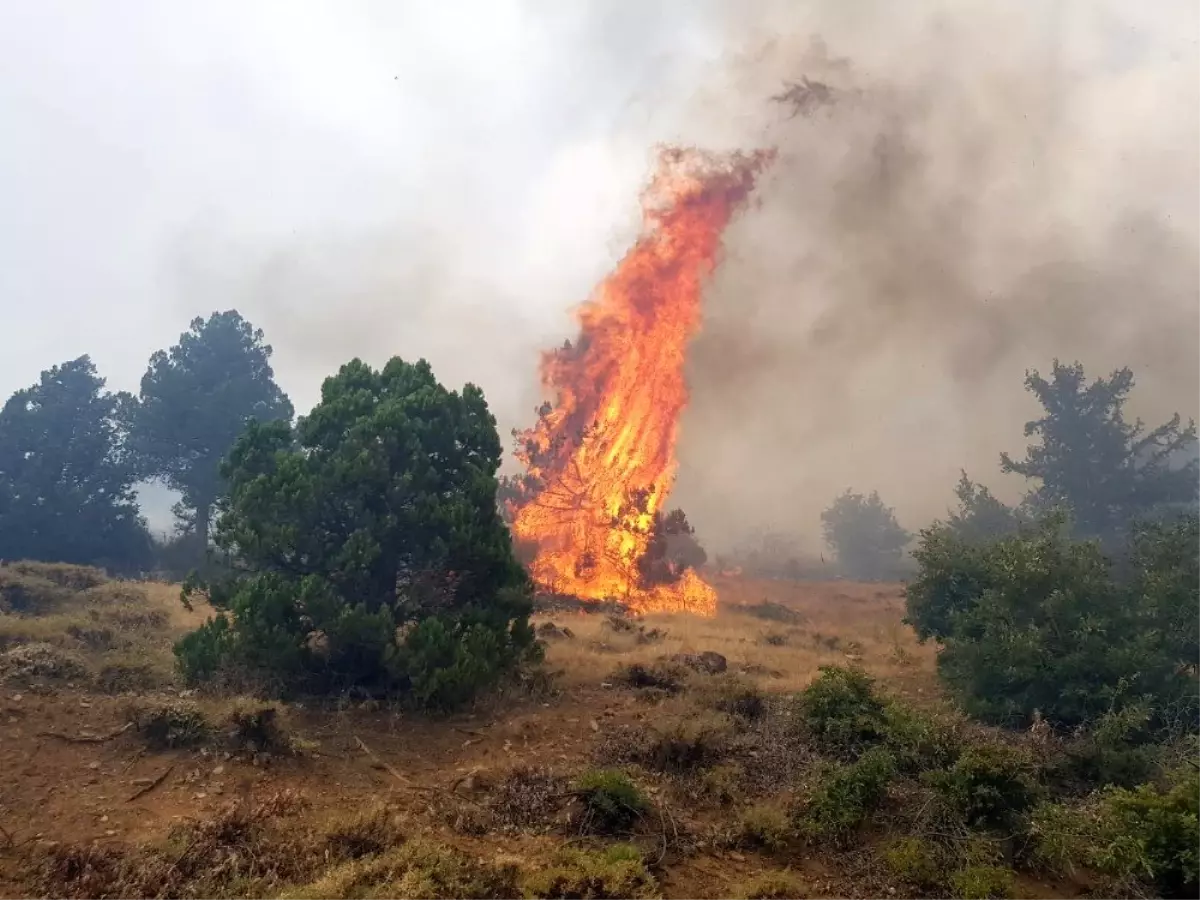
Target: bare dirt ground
x=71 y=777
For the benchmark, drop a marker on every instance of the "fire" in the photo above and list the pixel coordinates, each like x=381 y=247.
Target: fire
x=601 y=459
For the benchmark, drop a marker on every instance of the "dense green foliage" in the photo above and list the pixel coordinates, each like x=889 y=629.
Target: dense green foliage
x=865 y=535
x=195 y=401
x=374 y=552
x=1040 y=622
x=66 y=477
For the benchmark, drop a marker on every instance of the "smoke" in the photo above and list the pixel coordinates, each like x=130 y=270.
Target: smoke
x=992 y=186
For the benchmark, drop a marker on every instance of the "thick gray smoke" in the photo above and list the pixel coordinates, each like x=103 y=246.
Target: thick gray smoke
x=995 y=183
x=990 y=186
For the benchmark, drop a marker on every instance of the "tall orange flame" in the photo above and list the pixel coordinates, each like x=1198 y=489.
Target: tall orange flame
x=601 y=459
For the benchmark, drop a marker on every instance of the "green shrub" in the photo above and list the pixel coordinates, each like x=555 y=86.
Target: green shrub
x=1147 y=835
x=611 y=802
x=847 y=795
x=920 y=741
x=408 y=585
x=916 y=861
x=1039 y=622
x=773 y=886
x=983 y=883
x=1117 y=750
x=840 y=711
x=615 y=872
x=988 y=785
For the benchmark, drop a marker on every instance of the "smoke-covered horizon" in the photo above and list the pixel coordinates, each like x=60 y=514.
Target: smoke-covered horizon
x=994 y=185
x=988 y=188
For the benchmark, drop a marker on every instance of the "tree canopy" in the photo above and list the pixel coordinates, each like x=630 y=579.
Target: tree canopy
x=372 y=543
x=66 y=477
x=196 y=399
x=1105 y=470
x=865 y=535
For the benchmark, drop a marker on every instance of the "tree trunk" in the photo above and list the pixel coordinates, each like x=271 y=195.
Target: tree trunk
x=203 y=515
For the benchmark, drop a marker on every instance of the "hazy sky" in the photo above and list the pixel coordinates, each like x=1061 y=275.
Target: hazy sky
x=430 y=179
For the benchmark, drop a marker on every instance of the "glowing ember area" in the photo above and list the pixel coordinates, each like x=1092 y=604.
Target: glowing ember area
x=601 y=459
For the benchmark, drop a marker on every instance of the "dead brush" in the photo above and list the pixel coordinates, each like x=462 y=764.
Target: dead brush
x=528 y=798
x=168 y=723
x=685 y=745
x=665 y=677
x=260 y=727
x=243 y=844
x=735 y=696
x=235 y=853
x=73 y=871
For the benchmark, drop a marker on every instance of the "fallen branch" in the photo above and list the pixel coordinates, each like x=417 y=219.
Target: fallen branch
x=141 y=792
x=87 y=739
x=390 y=769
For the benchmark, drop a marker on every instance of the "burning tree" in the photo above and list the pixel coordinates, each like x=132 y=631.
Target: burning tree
x=600 y=461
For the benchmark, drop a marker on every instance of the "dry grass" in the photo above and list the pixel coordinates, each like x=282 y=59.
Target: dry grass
x=840 y=623
x=122 y=631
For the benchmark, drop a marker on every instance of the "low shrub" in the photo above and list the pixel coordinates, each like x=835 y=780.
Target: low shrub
x=764 y=826
x=920 y=740
x=662 y=676
x=611 y=803
x=988 y=785
x=841 y=712
x=687 y=744
x=260 y=727
x=167 y=724
x=29 y=594
x=847 y=795
x=364 y=833
x=916 y=862
x=38 y=662
x=418 y=868
x=1118 y=750
x=618 y=871
x=1147 y=836
x=773 y=886
x=529 y=797
x=66 y=575
x=983 y=883
x=735 y=696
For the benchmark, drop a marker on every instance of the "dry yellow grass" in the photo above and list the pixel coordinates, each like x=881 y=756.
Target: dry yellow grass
x=838 y=623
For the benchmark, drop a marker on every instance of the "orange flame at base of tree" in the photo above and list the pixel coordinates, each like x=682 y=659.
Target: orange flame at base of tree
x=600 y=461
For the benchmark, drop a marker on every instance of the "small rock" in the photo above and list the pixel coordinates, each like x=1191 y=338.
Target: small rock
x=104 y=818
x=17 y=697
x=218 y=790
x=85 y=704
x=737 y=857
x=110 y=832
x=199 y=795
x=594 y=725
x=606 y=684
x=141 y=782
x=218 y=770
x=93 y=765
